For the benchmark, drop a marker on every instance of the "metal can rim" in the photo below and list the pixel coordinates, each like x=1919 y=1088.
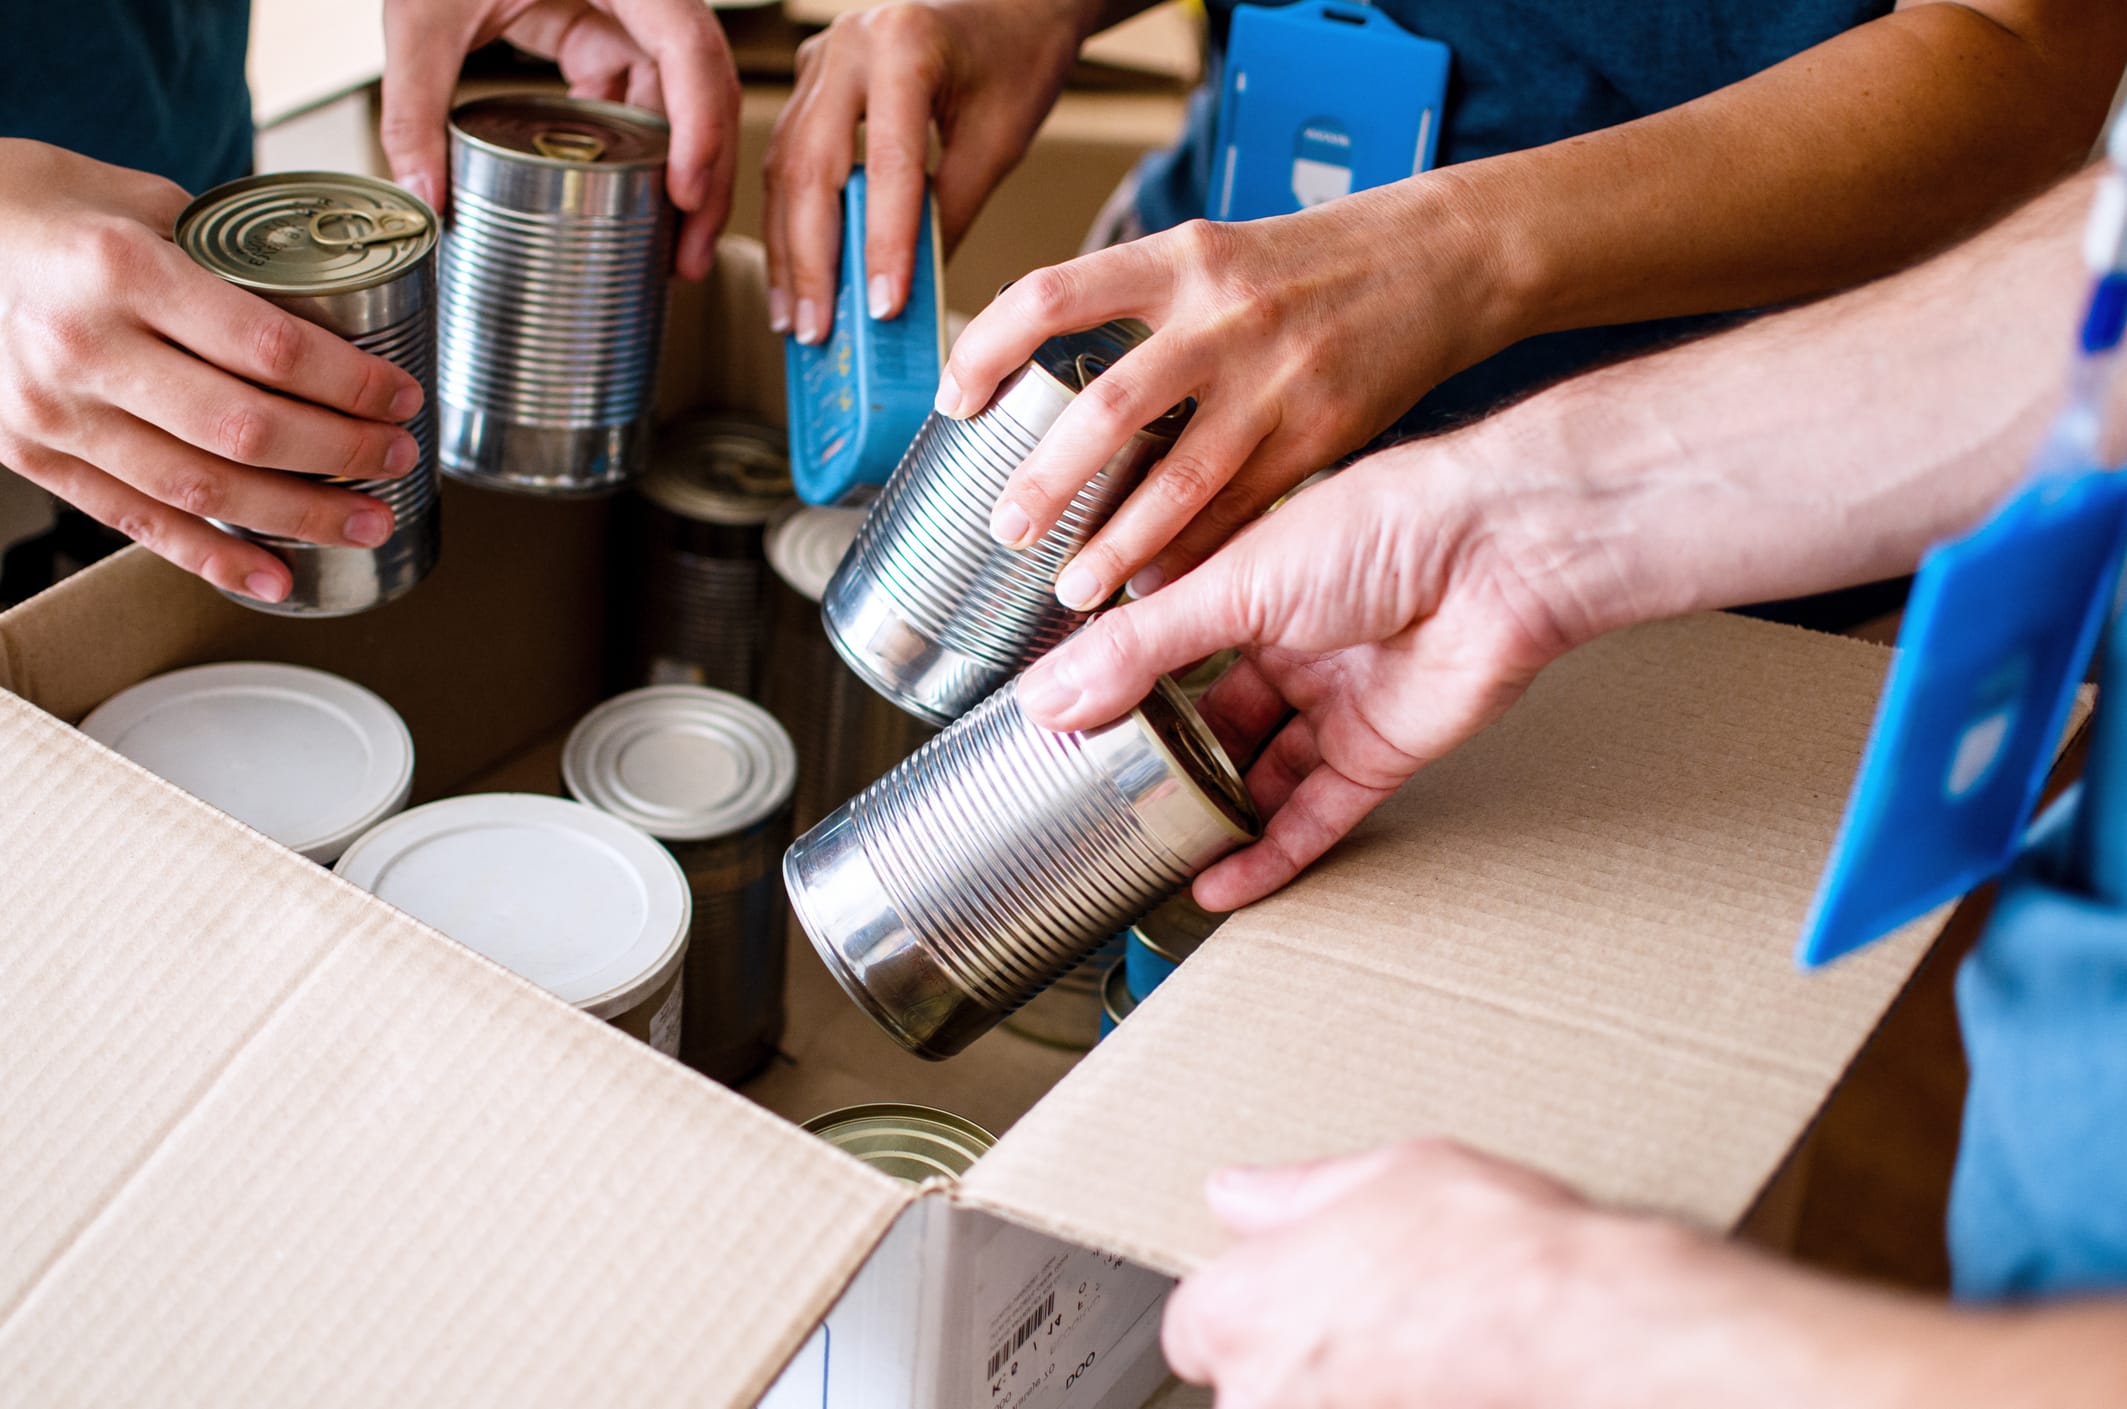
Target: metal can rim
x=215 y=196
x=1205 y=762
x=619 y=112
x=955 y=1133
x=587 y=763
x=1115 y=997
x=1179 y=946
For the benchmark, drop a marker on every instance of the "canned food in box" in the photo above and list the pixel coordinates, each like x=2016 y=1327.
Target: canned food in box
x=911 y=1143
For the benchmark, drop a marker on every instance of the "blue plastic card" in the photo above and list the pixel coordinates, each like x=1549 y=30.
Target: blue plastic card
x=1320 y=99
x=1997 y=636
x=858 y=399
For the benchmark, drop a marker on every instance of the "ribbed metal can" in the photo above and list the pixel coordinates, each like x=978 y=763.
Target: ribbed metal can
x=847 y=735
x=709 y=775
x=992 y=862
x=355 y=256
x=553 y=293
x=911 y=1143
x=929 y=609
x=701 y=523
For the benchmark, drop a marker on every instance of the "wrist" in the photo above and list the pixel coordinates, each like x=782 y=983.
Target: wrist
x=1492 y=237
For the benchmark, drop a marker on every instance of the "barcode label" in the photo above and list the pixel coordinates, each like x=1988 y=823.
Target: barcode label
x=1023 y=1334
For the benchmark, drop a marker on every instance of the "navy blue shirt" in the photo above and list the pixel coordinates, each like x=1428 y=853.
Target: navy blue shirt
x=1526 y=73
x=157 y=85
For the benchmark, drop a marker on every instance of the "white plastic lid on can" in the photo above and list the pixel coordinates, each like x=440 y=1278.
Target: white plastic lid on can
x=682 y=762
x=308 y=758
x=580 y=903
x=807 y=546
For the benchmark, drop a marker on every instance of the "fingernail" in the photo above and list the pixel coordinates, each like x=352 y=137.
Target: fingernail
x=1078 y=588
x=1009 y=524
x=880 y=294
x=367 y=528
x=265 y=587
x=1048 y=689
x=400 y=458
x=809 y=329
x=1149 y=580
x=778 y=311
x=406 y=403
x=949 y=395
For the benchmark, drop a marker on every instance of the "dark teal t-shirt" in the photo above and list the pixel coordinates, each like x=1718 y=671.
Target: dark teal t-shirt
x=1527 y=73
x=157 y=85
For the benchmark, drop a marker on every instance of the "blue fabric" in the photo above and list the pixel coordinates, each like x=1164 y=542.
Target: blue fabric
x=2038 y=1206
x=157 y=85
x=1531 y=72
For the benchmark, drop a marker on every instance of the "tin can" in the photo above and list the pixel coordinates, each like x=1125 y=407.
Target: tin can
x=847 y=734
x=1157 y=944
x=911 y=1143
x=357 y=257
x=553 y=293
x=308 y=758
x=579 y=903
x=978 y=872
x=701 y=518
x=1067 y=1013
x=929 y=609
x=710 y=775
x=1116 y=1000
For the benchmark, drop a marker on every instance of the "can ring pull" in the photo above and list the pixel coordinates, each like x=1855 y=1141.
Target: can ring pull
x=369 y=226
x=564 y=145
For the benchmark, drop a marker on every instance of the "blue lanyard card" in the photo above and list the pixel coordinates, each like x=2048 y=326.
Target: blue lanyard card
x=1320 y=99
x=856 y=400
x=1997 y=635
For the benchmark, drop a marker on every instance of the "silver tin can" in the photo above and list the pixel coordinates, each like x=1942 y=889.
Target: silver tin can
x=1066 y=1014
x=1116 y=1000
x=355 y=256
x=847 y=735
x=700 y=526
x=709 y=775
x=927 y=607
x=911 y=1143
x=975 y=874
x=1156 y=945
x=553 y=293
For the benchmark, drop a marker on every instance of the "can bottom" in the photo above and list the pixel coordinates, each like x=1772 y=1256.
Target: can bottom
x=845 y=911
x=334 y=582
x=556 y=463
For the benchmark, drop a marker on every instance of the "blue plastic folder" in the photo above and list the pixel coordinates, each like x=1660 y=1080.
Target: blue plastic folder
x=1997 y=636
x=1320 y=99
x=858 y=399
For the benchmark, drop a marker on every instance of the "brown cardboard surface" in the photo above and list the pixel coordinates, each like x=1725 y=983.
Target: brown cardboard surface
x=1569 y=942
x=276 y=1143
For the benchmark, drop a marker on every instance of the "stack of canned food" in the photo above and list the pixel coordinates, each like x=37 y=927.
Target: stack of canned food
x=848 y=671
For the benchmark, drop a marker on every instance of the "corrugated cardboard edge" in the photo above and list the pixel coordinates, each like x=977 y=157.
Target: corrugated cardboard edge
x=135 y=1126
x=1671 y=790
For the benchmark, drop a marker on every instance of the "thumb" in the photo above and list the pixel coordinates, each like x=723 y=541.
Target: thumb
x=423 y=50
x=1109 y=665
x=1264 y=1199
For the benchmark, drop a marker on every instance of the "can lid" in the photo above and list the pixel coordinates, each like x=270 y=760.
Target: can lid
x=682 y=762
x=580 y=903
x=1116 y=999
x=1195 y=753
x=806 y=545
x=908 y=1142
x=719 y=471
x=1177 y=929
x=559 y=131
x=308 y=758
x=1073 y=360
x=307 y=232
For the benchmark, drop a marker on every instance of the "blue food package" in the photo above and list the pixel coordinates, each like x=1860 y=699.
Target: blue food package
x=857 y=400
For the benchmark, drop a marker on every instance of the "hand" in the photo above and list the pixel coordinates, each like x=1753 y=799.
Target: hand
x=1301 y=338
x=987 y=71
x=663 y=55
x=1432 y=1275
x=141 y=388
x=1398 y=607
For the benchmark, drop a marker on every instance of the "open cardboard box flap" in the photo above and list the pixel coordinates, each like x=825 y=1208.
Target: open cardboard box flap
x=262 y=1138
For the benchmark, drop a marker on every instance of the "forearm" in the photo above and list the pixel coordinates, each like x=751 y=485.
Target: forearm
x=1814 y=449
x=1844 y=163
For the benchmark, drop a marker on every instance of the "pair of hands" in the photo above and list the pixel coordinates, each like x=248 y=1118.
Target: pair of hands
x=155 y=397
x=1432 y=1275
x=1301 y=337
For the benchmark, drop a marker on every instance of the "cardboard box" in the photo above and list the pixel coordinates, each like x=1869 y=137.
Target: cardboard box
x=265 y=1140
